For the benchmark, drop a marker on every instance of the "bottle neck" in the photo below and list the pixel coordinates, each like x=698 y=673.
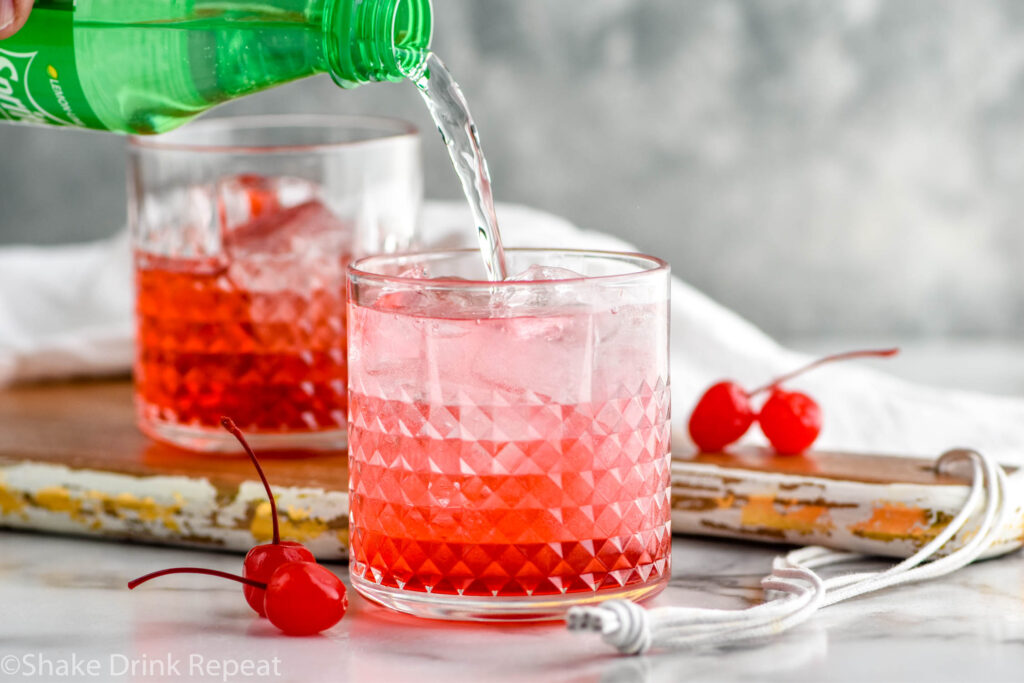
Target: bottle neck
x=375 y=40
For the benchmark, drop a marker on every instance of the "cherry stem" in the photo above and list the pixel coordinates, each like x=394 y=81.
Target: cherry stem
x=195 y=570
x=849 y=355
x=229 y=425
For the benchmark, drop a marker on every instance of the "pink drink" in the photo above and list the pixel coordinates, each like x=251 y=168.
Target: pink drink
x=508 y=445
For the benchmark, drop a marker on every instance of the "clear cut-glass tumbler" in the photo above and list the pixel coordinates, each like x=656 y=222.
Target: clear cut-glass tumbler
x=508 y=441
x=242 y=229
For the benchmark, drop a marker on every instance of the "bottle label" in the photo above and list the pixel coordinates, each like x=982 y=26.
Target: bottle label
x=38 y=76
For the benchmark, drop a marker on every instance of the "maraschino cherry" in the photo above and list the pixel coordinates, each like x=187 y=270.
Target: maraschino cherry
x=262 y=560
x=304 y=598
x=721 y=417
x=281 y=579
x=790 y=420
x=301 y=598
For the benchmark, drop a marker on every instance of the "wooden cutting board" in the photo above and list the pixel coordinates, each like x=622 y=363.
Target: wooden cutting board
x=72 y=461
x=880 y=505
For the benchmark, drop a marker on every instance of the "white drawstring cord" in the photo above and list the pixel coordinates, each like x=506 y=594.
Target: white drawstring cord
x=634 y=630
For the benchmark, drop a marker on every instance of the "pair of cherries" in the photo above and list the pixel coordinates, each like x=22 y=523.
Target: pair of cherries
x=282 y=580
x=790 y=420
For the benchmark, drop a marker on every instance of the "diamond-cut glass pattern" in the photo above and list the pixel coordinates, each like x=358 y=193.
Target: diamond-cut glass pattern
x=260 y=340
x=512 y=495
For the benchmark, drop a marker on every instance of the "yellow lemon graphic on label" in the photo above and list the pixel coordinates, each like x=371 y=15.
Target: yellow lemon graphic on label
x=53 y=72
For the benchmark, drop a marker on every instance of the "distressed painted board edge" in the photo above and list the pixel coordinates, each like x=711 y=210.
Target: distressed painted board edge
x=874 y=517
x=173 y=510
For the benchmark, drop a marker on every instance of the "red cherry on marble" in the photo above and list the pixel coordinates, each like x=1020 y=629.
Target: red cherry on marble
x=263 y=560
x=301 y=598
x=281 y=579
x=304 y=598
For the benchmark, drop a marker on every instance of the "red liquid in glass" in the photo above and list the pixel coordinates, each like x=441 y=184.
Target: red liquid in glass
x=257 y=334
x=469 y=476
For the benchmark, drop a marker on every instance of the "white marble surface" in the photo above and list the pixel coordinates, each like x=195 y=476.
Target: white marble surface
x=65 y=598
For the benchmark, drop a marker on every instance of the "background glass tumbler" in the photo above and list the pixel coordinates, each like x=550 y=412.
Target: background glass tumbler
x=242 y=229
x=508 y=441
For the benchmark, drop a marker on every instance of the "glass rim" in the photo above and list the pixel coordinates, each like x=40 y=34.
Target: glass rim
x=356 y=268
x=390 y=128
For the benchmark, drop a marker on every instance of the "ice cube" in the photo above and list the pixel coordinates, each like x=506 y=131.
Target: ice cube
x=452 y=304
x=248 y=196
x=441 y=297
x=530 y=299
x=416 y=272
x=308 y=230
x=539 y=273
x=178 y=223
x=302 y=249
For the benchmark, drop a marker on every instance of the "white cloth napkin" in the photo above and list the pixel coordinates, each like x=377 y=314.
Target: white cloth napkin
x=67 y=311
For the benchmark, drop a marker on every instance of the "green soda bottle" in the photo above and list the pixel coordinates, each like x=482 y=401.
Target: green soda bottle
x=146 y=66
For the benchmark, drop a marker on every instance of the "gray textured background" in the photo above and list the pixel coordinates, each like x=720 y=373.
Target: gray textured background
x=850 y=167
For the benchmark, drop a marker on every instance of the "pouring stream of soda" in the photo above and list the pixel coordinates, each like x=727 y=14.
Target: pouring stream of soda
x=450 y=112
